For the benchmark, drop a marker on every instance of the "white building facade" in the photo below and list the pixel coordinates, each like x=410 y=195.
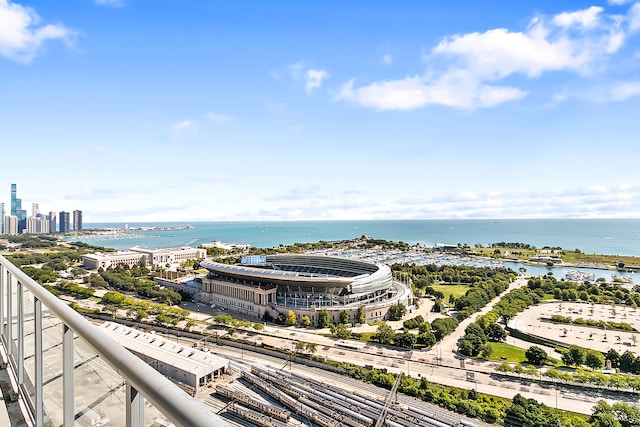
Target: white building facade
x=143 y=256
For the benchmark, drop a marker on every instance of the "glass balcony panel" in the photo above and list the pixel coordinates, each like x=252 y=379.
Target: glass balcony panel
x=29 y=343
x=13 y=321
x=52 y=386
x=100 y=392
x=153 y=417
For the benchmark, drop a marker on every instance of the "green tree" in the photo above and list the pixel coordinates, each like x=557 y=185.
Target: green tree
x=475 y=329
x=626 y=361
x=291 y=318
x=603 y=415
x=504 y=366
x=496 y=333
x=535 y=355
x=340 y=331
x=360 y=315
x=311 y=347
x=396 y=311
x=426 y=338
x=323 y=318
x=305 y=321
x=344 y=317
x=606 y=420
x=443 y=326
x=614 y=357
x=384 y=334
x=405 y=339
x=471 y=345
x=574 y=355
x=162 y=319
x=594 y=359
x=113 y=297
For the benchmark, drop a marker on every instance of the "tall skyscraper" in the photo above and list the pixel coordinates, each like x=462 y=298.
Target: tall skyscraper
x=1 y=218
x=16 y=209
x=35 y=210
x=53 y=222
x=77 y=220
x=64 y=222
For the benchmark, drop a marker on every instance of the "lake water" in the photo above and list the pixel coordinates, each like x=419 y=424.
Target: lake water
x=601 y=236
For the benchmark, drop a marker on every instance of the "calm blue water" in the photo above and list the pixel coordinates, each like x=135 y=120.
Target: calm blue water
x=602 y=236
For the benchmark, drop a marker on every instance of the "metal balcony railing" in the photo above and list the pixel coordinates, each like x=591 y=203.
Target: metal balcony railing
x=68 y=372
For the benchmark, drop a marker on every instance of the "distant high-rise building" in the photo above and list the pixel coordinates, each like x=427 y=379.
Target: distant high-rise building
x=77 y=220
x=53 y=222
x=35 y=210
x=37 y=225
x=11 y=224
x=16 y=209
x=1 y=218
x=65 y=220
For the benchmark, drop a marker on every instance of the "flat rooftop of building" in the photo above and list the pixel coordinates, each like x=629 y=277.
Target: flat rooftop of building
x=192 y=360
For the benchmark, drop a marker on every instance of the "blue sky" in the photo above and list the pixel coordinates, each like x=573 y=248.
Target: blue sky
x=146 y=110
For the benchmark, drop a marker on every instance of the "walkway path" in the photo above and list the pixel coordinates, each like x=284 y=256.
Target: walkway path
x=449 y=344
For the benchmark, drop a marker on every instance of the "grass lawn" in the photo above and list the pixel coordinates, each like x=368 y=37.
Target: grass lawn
x=515 y=354
x=366 y=336
x=511 y=352
x=456 y=290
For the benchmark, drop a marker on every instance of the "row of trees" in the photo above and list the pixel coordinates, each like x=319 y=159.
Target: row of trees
x=423 y=276
x=385 y=334
x=577 y=356
x=141 y=309
x=530 y=413
x=619 y=326
x=324 y=319
x=599 y=292
x=125 y=279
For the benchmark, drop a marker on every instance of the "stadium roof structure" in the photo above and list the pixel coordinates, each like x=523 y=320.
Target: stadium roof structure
x=309 y=272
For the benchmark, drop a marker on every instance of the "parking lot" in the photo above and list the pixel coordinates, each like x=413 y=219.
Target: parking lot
x=532 y=321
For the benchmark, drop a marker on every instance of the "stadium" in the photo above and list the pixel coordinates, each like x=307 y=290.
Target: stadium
x=305 y=284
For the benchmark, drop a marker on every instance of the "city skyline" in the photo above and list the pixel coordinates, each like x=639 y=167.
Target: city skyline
x=207 y=111
x=16 y=221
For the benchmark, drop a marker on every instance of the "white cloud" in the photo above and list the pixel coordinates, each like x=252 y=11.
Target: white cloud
x=464 y=70
x=619 y=2
x=387 y=59
x=597 y=201
x=587 y=18
x=314 y=79
x=179 y=129
x=219 y=118
x=416 y=92
x=21 y=36
x=634 y=18
x=624 y=91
